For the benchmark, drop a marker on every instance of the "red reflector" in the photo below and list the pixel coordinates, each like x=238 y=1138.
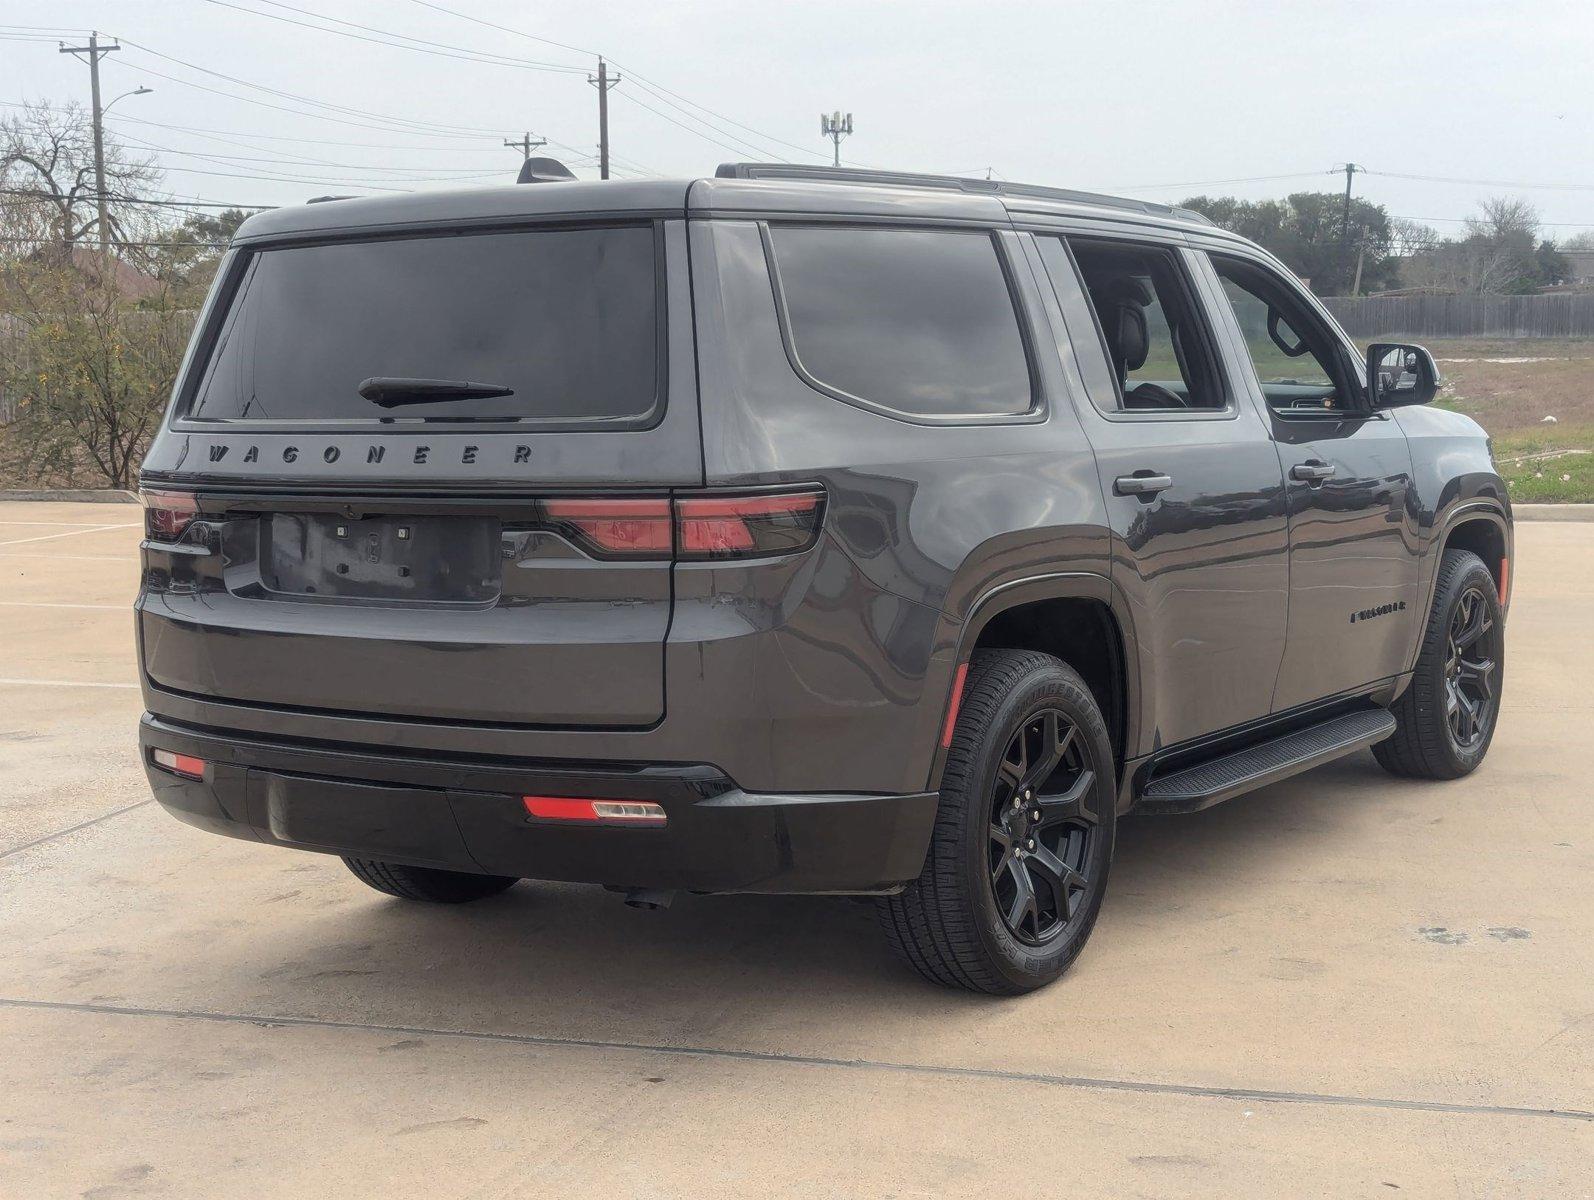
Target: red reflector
x=633 y=528
x=594 y=812
x=747 y=526
x=167 y=514
x=1505 y=580
x=957 y=703
x=179 y=764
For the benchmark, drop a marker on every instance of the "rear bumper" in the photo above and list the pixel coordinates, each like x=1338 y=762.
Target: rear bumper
x=465 y=814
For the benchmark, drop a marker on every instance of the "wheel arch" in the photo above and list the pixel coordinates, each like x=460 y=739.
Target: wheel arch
x=1079 y=618
x=1482 y=527
x=1482 y=531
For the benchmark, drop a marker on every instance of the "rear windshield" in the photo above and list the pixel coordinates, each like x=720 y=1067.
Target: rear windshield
x=567 y=319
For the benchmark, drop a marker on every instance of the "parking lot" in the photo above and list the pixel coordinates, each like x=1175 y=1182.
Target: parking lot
x=1344 y=984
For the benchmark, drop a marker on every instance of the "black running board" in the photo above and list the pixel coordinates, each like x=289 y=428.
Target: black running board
x=1220 y=779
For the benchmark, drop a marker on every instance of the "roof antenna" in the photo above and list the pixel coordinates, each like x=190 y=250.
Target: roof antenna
x=543 y=170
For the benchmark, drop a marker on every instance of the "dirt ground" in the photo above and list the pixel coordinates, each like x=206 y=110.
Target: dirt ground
x=1510 y=387
x=1344 y=985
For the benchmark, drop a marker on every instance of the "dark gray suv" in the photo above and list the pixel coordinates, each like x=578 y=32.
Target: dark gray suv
x=794 y=530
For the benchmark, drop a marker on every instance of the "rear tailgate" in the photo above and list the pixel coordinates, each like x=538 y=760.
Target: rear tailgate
x=423 y=558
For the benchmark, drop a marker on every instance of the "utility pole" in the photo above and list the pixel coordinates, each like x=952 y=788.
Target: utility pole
x=835 y=127
x=526 y=144
x=603 y=81
x=1350 y=173
x=95 y=51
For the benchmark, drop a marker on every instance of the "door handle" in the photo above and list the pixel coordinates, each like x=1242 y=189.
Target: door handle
x=1312 y=471
x=1141 y=485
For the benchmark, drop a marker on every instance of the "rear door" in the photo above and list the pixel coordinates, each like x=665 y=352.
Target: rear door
x=1354 y=549
x=496 y=553
x=1191 y=480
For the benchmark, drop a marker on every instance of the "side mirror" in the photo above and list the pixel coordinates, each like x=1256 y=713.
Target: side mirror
x=1398 y=374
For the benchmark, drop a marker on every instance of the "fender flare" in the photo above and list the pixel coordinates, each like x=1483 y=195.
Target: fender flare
x=1466 y=512
x=1061 y=585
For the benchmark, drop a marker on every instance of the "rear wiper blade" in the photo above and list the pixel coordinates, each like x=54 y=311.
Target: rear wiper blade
x=393 y=391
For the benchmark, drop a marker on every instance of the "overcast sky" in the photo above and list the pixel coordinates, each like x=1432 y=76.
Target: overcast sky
x=1150 y=99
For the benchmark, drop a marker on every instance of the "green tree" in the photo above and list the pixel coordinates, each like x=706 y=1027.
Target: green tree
x=87 y=368
x=1307 y=230
x=192 y=251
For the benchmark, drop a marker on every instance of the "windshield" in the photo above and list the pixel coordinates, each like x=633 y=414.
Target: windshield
x=563 y=325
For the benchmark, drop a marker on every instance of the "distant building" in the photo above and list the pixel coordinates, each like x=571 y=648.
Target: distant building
x=1582 y=264
x=131 y=284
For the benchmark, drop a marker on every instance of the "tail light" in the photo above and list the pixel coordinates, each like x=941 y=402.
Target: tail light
x=167 y=514
x=614 y=528
x=689 y=527
x=746 y=526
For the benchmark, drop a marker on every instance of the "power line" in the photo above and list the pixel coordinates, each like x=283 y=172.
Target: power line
x=1550 y=187
x=423 y=46
x=656 y=90
x=760 y=151
x=647 y=83
x=1148 y=187
x=230 y=159
x=226 y=134
x=1464 y=220
x=391 y=124
x=699 y=133
x=50 y=241
x=190 y=202
x=298 y=112
x=396 y=124
x=505 y=28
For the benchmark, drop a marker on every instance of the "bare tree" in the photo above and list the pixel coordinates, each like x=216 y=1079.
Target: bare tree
x=1503 y=219
x=47 y=186
x=1409 y=237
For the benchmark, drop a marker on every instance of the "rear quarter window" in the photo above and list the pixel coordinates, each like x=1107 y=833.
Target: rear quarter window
x=568 y=319
x=918 y=322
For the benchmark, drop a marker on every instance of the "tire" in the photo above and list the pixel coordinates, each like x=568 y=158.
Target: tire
x=426 y=883
x=954 y=923
x=1426 y=743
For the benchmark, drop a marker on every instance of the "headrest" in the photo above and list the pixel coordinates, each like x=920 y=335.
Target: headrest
x=1121 y=303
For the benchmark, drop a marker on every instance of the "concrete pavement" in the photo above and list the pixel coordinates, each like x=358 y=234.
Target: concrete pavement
x=1343 y=985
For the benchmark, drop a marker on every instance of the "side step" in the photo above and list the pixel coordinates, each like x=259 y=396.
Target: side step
x=1209 y=783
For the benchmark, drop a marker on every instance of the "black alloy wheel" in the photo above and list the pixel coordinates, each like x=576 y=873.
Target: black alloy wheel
x=1446 y=717
x=1022 y=846
x=1471 y=653
x=1042 y=821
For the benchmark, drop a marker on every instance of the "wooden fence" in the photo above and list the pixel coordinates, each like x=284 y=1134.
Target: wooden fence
x=1567 y=315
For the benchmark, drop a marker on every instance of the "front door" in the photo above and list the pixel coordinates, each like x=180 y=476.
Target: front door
x=1354 y=587
x=1192 y=485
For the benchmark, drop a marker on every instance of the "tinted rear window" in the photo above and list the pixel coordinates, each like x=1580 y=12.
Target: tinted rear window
x=919 y=321
x=567 y=318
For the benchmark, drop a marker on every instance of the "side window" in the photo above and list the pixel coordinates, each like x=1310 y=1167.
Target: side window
x=1151 y=327
x=1295 y=357
x=921 y=322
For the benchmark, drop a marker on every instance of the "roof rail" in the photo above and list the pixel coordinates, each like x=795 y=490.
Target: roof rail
x=954 y=183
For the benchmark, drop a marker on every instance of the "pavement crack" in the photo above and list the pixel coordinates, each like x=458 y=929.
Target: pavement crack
x=1081 y=1082
x=61 y=833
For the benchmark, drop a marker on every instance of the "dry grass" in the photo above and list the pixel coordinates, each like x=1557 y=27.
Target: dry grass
x=1511 y=400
